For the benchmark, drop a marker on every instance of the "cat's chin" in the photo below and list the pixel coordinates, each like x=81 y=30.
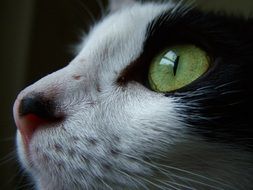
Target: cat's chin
x=22 y=151
x=35 y=168
x=27 y=153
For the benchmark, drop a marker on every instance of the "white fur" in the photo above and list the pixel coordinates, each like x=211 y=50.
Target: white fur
x=106 y=134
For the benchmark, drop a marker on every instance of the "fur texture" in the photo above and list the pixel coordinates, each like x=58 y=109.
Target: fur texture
x=118 y=134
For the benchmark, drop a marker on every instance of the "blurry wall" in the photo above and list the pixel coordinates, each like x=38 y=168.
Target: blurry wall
x=35 y=39
x=15 y=29
x=241 y=7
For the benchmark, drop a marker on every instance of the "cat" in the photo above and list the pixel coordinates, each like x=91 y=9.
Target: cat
x=158 y=97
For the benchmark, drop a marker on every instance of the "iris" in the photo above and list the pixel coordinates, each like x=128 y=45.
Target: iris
x=177 y=67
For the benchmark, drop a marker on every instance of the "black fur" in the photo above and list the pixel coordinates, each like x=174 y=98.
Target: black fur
x=219 y=104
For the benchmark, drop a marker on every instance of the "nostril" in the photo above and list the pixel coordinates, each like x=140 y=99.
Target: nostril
x=39 y=106
x=34 y=111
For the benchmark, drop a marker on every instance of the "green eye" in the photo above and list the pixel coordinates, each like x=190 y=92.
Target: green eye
x=177 y=67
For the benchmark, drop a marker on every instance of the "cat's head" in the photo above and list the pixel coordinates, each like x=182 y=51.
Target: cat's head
x=157 y=97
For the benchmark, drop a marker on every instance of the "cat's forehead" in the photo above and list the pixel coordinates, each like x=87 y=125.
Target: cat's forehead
x=120 y=36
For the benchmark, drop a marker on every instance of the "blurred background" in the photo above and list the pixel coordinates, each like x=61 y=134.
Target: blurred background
x=36 y=38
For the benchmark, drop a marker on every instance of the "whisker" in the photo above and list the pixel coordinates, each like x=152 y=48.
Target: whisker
x=226 y=84
x=21 y=178
x=196 y=181
x=7 y=158
x=170 y=184
x=8 y=139
x=231 y=92
x=13 y=177
x=150 y=164
x=87 y=11
x=107 y=185
x=150 y=182
x=181 y=185
x=164 y=172
x=131 y=178
x=101 y=7
x=28 y=184
x=193 y=174
x=183 y=6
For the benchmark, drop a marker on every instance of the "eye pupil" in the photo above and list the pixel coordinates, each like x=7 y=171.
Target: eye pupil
x=175 y=66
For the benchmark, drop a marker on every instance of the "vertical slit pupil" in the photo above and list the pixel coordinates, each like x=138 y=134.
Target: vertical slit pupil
x=175 y=66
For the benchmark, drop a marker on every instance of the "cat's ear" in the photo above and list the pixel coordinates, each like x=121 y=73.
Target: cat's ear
x=115 y=5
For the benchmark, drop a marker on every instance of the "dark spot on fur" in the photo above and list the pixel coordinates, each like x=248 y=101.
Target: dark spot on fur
x=74 y=139
x=146 y=158
x=115 y=151
x=107 y=166
x=90 y=102
x=71 y=152
x=92 y=141
x=45 y=158
x=85 y=159
x=98 y=88
x=157 y=130
x=57 y=147
x=116 y=138
x=145 y=133
x=37 y=150
x=79 y=171
x=76 y=77
x=60 y=165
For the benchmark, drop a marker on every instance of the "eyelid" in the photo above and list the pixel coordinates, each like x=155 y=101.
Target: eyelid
x=162 y=36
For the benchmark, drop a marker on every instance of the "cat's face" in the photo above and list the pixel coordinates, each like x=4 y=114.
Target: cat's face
x=98 y=123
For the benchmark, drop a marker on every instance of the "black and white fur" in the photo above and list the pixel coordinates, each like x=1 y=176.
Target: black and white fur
x=119 y=134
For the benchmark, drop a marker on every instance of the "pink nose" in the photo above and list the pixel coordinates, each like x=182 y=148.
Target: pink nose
x=33 y=112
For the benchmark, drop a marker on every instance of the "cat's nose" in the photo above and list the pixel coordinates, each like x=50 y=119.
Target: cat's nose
x=34 y=111
x=37 y=106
